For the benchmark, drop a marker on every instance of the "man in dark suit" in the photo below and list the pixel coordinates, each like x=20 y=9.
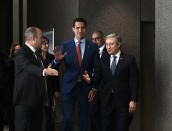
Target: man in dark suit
x=119 y=85
x=80 y=56
x=98 y=38
x=120 y=89
x=30 y=92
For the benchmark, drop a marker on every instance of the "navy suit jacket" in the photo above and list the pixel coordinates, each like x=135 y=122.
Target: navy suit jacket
x=73 y=71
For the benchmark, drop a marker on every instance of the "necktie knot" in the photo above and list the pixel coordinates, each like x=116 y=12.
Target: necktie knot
x=114 y=58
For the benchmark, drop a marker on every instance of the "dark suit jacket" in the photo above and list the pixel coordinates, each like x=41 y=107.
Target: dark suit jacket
x=52 y=81
x=73 y=71
x=30 y=88
x=124 y=83
x=4 y=81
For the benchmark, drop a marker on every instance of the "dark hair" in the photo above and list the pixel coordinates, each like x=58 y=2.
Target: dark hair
x=12 y=49
x=45 y=38
x=79 y=20
x=100 y=32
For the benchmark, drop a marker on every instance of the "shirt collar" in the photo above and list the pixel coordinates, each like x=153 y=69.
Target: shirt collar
x=32 y=48
x=102 y=47
x=117 y=54
x=82 y=41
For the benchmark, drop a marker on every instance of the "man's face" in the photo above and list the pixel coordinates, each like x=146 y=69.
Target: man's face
x=80 y=30
x=38 y=39
x=112 y=46
x=98 y=39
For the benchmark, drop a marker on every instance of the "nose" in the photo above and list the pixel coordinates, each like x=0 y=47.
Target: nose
x=79 y=29
x=107 y=46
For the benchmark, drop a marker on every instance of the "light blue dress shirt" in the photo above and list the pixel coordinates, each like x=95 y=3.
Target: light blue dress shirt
x=82 y=45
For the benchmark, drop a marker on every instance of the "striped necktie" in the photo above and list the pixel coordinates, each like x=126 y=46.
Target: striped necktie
x=113 y=65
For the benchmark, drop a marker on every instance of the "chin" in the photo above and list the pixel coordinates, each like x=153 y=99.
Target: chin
x=109 y=52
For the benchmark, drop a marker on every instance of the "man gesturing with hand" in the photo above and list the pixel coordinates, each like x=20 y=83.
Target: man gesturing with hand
x=79 y=55
x=30 y=92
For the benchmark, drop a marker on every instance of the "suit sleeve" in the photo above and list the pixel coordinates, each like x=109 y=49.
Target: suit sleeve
x=24 y=64
x=96 y=69
x=134 y=80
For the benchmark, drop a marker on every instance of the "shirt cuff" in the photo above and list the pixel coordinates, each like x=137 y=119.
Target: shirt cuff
x=43 y=73
x=94 y=89
x=55 y=62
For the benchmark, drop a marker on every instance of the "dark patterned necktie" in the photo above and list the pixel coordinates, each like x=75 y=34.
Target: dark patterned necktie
x=113 y=65
x=38 y=57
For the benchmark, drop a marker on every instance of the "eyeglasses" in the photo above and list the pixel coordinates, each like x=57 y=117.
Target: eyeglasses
x=110 y=44
x=97 y=38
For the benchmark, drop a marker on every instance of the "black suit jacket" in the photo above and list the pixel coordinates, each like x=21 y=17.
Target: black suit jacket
x=124 y=83
x=30 y=87
x=5 y=81
x=52 y=81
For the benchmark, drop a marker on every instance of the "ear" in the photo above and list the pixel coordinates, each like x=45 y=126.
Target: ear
x=119 y=45
x=73 y=29
x=34 y=38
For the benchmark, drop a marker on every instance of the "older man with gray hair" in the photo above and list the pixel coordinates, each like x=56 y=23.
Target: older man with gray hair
x=120 y=78
x=119 y=85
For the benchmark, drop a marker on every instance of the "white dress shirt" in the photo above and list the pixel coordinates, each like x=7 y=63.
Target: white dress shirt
x=83 y=42
x=101 y=50
x=34 y=50
x=117 y=58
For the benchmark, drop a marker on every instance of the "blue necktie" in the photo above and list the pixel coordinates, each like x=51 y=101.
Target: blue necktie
x=113 y=65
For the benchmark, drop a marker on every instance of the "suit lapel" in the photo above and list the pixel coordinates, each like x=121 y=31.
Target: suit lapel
x=30 y=54
x=106 y=61
x=104 y=52
x=120 y=63
x=73 y=50
x=86 y=53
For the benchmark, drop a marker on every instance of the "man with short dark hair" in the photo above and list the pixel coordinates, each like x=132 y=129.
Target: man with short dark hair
x=30 y=92
x=80 y=56
x=97 y=38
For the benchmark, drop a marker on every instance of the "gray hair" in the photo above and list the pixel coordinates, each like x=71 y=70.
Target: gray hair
x=116 y=36
x=30 y=32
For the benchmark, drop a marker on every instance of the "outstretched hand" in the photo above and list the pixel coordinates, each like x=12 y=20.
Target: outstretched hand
x=58 y=54
x=51 y=72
